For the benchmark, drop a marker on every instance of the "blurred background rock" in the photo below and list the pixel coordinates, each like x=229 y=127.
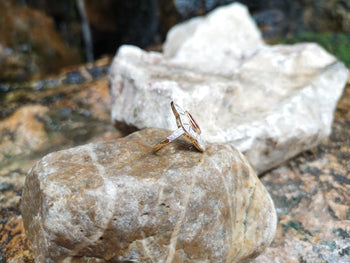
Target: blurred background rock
x=48 y=104
x=38 y=37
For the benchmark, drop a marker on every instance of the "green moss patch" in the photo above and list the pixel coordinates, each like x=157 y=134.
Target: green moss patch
x=337 y=44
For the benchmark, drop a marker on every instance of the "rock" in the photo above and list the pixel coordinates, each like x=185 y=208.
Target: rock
x=327 y=16
x=34 y=127
x=273 y=24
x=37 y=118
x=270 y=102
x=212 y=39
x=29 y=44
x=312 y=198
x=23 y=131
x=118 y=202
x=15 y=247
x=30 y=129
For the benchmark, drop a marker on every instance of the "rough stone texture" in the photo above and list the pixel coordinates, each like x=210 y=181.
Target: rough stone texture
x=271 y=102
x=77 y=114
x=119 y=202
x=292 y=242
x=29 y=129
x=312 y=198
x=14 y=246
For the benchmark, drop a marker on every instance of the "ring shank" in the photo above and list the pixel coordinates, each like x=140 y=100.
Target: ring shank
x=176 y=134
x=161 y=145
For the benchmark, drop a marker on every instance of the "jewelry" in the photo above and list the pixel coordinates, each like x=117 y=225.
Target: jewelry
x=187 y=126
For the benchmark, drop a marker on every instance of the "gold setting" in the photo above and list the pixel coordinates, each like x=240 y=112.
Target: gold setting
x=187 y=126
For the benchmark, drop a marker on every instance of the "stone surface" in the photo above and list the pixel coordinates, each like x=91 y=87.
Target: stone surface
x=29 y=44
x=29 y=128
x=312 y=198
x=271 y=102
x=14 y=246
x=216 y=44
x=37 y=118
x=292 y=242
x=118 y=201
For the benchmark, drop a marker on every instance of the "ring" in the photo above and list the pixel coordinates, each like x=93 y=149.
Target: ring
x=187 y=126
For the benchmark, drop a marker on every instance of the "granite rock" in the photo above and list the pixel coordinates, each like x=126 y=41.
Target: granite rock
x=312 y=198
x=270 y=102
x=119 y=202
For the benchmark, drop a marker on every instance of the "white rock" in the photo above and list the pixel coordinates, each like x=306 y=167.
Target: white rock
x=216 y=43
x=271 y=102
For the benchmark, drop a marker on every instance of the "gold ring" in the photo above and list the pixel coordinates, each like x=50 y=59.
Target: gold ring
x=187 y=126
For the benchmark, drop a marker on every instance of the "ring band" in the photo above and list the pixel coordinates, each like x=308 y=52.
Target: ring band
x=161 y=145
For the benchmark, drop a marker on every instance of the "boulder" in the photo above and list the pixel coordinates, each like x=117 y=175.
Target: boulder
x=270 y=102
x=118 y=201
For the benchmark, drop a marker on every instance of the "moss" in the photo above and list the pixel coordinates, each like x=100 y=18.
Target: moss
x=337 y=44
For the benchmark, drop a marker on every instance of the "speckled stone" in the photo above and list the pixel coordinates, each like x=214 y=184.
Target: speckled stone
x=14 y=246
x=312 y=198
x=119 y=202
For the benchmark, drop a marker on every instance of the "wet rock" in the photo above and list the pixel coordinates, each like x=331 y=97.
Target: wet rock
x=178 y=205
x=29 y=44
x=271 y=102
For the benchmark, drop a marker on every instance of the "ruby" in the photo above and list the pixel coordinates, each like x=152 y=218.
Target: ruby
x=194 y=122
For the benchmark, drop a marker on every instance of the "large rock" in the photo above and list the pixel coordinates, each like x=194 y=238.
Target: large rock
x=119 y=202
x=271 y=102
